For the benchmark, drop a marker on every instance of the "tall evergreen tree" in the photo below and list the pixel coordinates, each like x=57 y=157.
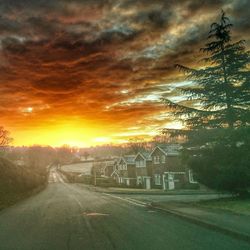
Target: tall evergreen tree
x=221 y=89
x=218 y=118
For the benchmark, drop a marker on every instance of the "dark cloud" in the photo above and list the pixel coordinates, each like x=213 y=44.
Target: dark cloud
x=100 y=61
x=156 y=18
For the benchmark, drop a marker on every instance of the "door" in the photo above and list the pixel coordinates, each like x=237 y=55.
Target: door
x=127 y=182
x=148 y=184
x=170 y=182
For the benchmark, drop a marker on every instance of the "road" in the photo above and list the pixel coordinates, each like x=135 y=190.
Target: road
x=69 y=216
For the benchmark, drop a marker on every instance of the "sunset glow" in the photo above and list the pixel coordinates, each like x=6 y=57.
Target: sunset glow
x=87 y=73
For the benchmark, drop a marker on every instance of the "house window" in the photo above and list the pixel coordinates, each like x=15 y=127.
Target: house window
x=163 y=159
x=156 y=159
x=139 y=180
x=140 y=164
x=122 y=166
x=157 y=179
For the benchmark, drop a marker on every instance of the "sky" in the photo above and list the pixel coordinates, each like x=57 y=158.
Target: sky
x=89 y=72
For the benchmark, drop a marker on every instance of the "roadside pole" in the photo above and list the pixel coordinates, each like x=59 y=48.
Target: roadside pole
x=94 y=176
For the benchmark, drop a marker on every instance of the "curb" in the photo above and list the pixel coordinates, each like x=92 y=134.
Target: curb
x=106 y=190
x=226 y=231
x=98 y=189
x=153 y=193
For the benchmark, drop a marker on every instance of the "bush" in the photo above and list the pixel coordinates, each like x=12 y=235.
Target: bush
x=105 y=182
x=19 y=178
x=223 y=167
x=192 y=186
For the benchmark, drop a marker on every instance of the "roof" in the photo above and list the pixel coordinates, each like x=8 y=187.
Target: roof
x=129 y=159
x=169 y=150
x=115 y=172
x=145 y=155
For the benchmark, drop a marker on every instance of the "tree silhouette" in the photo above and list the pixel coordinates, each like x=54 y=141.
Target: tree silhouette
x=217 y=120
x=5 y=138
x=221 y=89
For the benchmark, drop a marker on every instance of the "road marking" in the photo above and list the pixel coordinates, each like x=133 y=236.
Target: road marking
x=60 y=178
x=137 y=201
x=77 y=201
x=89 y=226
x=94 y=214
x=129 y=200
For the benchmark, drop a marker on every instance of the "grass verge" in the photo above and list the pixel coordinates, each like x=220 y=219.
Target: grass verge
x=233 y=204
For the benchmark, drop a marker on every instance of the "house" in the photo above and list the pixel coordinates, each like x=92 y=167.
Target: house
x=104 y=167
x=143 y=170
x=115 y=172
x=108 y=167
x=167 y=171
x=161 y=169
x=125 y=172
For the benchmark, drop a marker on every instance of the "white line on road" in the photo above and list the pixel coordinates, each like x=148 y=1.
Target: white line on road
x=77 y=201
x=129 y=200
x=88 y=224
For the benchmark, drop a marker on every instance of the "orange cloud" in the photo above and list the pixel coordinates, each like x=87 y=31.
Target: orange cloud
x=89 y=72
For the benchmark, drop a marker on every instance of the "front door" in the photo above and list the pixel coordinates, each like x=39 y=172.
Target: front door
x=148 y=184
x=170 y=182
x=127 y=182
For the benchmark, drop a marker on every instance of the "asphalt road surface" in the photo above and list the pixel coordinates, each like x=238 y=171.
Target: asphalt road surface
x=69 y=216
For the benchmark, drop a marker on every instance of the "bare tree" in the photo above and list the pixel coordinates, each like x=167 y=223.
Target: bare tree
x=5 y=138
x=136 y=144
x=86 y=155
x=65 y=154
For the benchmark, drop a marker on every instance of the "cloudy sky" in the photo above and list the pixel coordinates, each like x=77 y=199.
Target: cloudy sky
x=86 y=72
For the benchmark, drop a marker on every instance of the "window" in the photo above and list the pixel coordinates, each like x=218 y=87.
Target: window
x=163 y=159
x=140 y=164
x=139 y=180
x=156 y=159
x=157 y=179
x=124 y=167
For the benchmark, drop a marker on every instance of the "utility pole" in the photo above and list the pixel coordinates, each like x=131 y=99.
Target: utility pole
x=94 y=175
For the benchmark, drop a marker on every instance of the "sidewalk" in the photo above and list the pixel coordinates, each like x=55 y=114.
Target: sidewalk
x=236 y=225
